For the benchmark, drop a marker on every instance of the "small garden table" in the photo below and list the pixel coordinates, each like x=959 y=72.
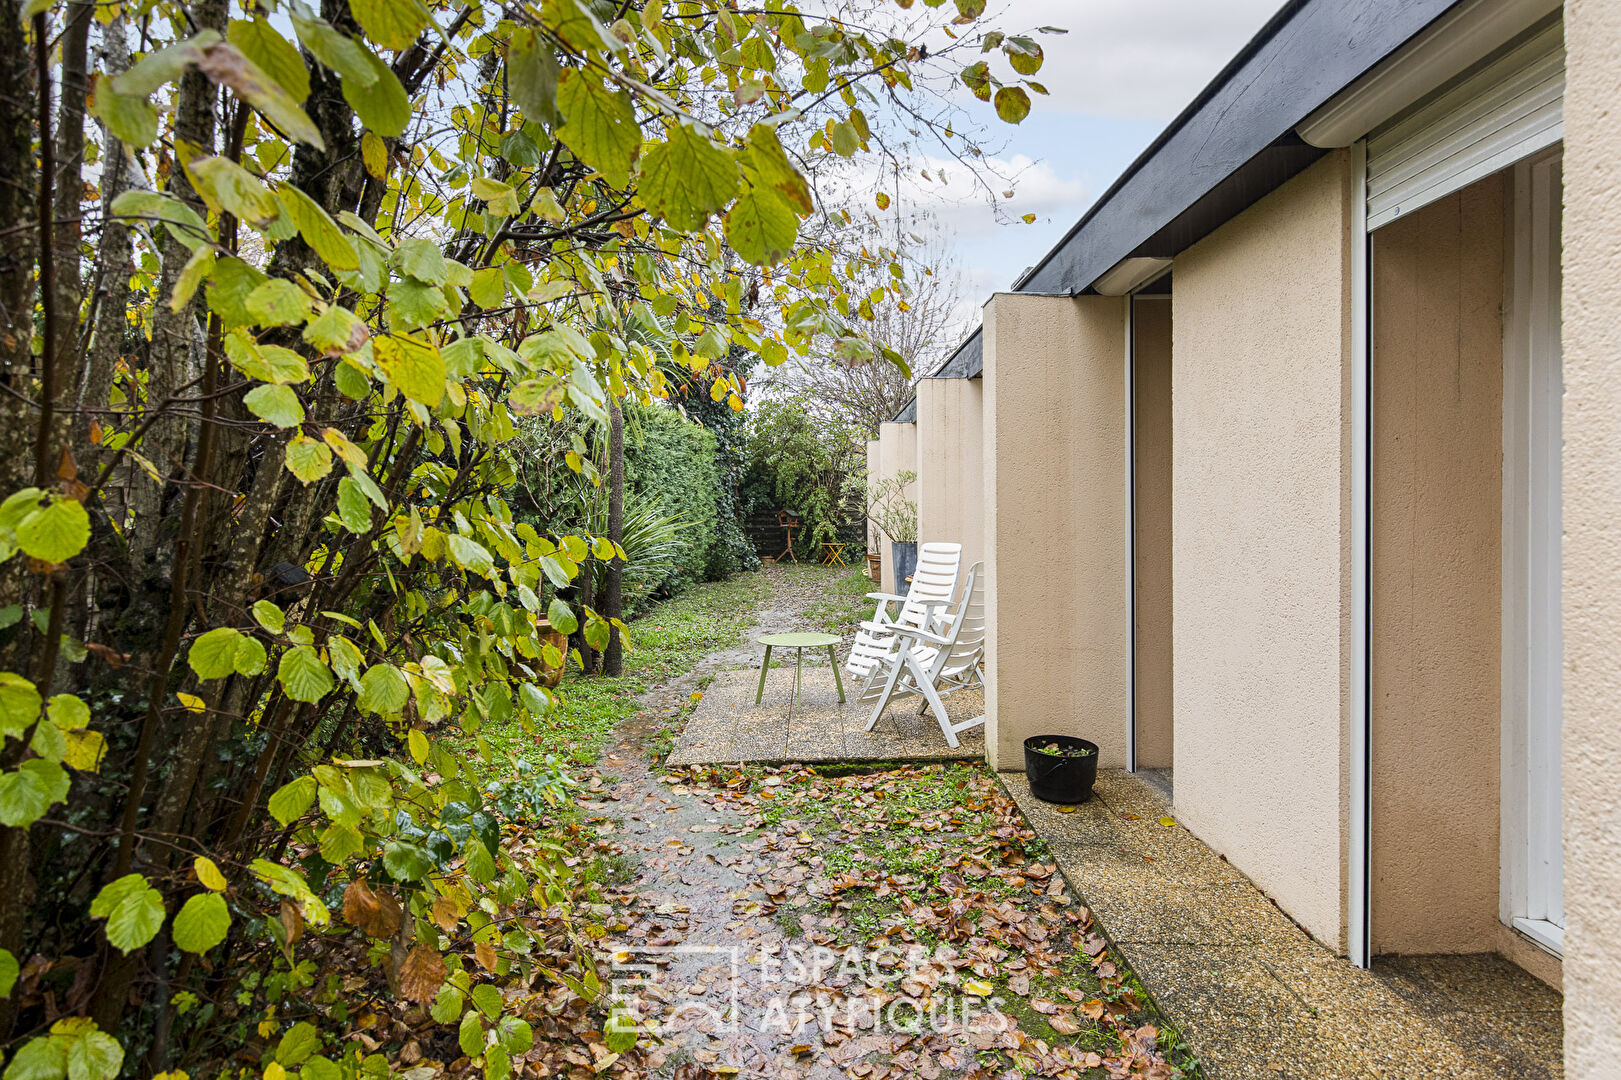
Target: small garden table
x=833 y=554
x=799 y=642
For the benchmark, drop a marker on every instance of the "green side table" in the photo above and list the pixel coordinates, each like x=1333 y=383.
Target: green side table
x=799 y=642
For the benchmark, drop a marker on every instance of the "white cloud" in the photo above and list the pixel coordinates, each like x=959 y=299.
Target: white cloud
x=1142 y=60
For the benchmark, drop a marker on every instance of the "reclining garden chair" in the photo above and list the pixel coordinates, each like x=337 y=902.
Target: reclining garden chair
x=933 y=584
x=933 y=660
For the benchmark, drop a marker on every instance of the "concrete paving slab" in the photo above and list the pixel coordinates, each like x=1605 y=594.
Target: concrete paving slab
x=1255 y=997
x=728 y=725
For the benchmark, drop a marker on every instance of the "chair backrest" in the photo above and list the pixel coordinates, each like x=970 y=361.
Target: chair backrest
x=935 y=579
x=966 y=635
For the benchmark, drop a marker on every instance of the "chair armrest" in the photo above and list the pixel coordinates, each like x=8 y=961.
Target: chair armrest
x=886 y=596
x=919 y=635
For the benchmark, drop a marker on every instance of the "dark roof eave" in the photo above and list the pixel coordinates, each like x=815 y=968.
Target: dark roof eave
x=1234 y=143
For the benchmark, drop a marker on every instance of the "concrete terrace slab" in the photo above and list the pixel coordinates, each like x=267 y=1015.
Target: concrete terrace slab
x=1256 y=998
x=728 y=726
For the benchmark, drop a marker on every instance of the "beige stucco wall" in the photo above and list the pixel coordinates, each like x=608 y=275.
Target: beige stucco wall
x=951 y=465
x=897 y=453
x=1436 y=603
x=1260 y=541
x=1592 y=548
x=1058 y=651
x=1151 y=386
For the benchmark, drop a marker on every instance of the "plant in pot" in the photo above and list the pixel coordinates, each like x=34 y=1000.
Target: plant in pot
x=1060 y=768
x=896 y=517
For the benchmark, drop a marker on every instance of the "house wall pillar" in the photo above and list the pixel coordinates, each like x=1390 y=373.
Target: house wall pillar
x=1435 y=528
x=1054 y=408
x=897 y=453
x=1261 y=542
x=951 y=465
x=1592 y=538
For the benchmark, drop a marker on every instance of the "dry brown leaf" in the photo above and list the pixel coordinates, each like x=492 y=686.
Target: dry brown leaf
x=422 y=974
x=292 y=921
x=376 y=914
x=484 y=952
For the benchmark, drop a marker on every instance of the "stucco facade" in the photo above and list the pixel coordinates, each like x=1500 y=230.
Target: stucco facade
x=897 y=453
x=1058 y=650
x=1592 y=539
x=1151 y=524
x=1436 y=602
x=1261 y=541
x=951 y=476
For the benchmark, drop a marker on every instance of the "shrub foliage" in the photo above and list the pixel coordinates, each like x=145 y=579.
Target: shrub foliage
x=281 y=281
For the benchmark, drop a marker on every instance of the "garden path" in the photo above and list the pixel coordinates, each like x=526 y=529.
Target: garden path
x=870 y=923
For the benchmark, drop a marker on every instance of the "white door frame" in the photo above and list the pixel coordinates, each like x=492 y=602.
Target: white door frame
x=1532 y=863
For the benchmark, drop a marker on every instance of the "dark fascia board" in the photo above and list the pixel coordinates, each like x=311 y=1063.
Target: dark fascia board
x=1231 y=146
x=1308 y=52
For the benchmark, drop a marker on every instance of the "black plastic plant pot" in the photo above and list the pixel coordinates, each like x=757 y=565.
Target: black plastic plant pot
x=1061 y=769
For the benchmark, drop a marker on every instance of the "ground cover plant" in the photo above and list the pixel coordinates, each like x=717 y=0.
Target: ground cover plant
x=279 y=280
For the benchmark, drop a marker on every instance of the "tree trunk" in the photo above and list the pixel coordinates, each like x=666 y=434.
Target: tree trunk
x=613 y=658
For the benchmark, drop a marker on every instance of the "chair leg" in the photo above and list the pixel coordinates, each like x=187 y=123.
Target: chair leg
x=765 y=666
x=889 y=685
x=936 y=704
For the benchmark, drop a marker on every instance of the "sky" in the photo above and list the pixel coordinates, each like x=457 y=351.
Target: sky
x=1123 y=72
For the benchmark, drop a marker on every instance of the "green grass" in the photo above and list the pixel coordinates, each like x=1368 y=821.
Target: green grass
x=666 y=642
x=846 y=605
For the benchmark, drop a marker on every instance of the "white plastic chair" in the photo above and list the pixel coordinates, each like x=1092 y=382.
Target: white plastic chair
x=931 y=660
x=934 y=583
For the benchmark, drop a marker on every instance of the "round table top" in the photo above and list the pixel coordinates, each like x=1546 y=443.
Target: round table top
x=805 y=640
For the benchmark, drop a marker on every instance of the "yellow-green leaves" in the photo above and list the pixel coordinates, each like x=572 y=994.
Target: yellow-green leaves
x=130 y=118
x=275 y=405
x=225 y=64
x=532 y=73
x=498 y=198
x=278 y=302
x=225 y=185
x=1012 y=104
x=19 y=703
x=1024 y=54
x=414 y=367
x=133 y=910
x=225 y=650
x=181 y=221
x=32 y=789
x=74 y=1050
x=267 y=363
x=761 y=227
x=380 y=101
x=383 y=690
x=354 y=510
x=336 y=331
x=393 y=24
x=293 y=800
x=307 y=458
x=599 y=124
x=274 y=54
x=319 y=231
x=208 y=873
x=303 y=674
x=51 y=528
x=202 y=923
x=687 y=177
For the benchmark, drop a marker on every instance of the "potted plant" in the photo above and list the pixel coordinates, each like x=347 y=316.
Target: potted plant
x=1061 y=768
x=896 y=517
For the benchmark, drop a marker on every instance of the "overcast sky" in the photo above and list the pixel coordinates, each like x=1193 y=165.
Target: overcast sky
x=1124 y=71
